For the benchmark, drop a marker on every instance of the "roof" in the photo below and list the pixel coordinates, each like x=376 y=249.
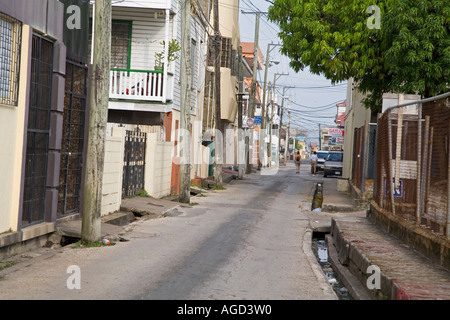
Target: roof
x=247 y=53
x=340 y=120
x=248 y=85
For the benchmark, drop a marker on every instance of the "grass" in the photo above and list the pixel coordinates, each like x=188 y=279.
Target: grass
x=7 y=264
x=96 y=244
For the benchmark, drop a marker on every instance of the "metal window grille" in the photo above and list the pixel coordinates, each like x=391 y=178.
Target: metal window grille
x=119 y=45
x=226 y=52
x=10 y=36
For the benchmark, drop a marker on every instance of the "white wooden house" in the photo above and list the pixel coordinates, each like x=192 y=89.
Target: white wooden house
x=148 y=100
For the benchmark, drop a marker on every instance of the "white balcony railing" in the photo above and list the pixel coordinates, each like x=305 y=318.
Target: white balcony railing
x=145 y=85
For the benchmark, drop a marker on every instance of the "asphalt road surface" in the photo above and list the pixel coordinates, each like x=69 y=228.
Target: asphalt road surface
x=249 y=241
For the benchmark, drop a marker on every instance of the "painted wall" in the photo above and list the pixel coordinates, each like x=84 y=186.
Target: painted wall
x=12 y=128
x=113 y=170
x=356 y=116
x=158 y=167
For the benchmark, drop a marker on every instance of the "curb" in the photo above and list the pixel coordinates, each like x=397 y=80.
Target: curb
x=354 y=286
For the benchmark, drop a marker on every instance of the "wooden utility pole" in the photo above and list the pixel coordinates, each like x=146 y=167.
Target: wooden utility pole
x=219 y=135
x=241 y=148
x=98 y=115
x=251 y=101
x=185 y=116
x=255 y=67
x=263 y=106
x=286 y=148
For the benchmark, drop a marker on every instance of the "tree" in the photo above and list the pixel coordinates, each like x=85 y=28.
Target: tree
x=408 y=53
x=417 y=43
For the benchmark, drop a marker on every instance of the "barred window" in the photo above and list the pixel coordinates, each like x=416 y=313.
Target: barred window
x=225 y=61
x=10 y=36
x=120 y=44
x=121 y=33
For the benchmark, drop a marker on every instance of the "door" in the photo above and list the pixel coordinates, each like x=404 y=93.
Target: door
x=134 y=163
x=72 y=139
x=38 y=131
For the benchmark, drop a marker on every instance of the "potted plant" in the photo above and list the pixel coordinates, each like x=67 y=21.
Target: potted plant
x=174 y=47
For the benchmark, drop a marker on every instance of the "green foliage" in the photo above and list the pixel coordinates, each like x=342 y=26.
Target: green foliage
x=409 y=53
x=418 y=46
x=174 y=47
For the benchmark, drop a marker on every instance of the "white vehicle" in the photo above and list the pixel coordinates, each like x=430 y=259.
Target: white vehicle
x=333 y=164
x=321 y=155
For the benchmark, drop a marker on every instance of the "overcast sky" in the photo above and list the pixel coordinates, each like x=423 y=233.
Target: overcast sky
x=314 y=99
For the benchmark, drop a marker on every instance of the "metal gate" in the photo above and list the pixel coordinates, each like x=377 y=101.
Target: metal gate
x=134 y=163
x=72 y=138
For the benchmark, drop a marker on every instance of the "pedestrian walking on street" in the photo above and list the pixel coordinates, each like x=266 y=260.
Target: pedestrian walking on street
x=314 y=160
x=298 y=161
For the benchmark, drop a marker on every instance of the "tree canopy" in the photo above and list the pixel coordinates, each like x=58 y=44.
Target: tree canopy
x=395 y=46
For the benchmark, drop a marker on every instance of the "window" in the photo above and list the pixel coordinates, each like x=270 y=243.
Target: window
x=10 y=35
x=120 y=43
x=193 y=63
x=226 y=52
x=227 y=55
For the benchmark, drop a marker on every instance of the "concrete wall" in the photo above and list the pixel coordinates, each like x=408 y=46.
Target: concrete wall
x=12 y=128
x=113 y=170
x=158 y=167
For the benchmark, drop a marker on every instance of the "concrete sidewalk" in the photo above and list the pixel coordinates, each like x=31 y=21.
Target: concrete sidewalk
x=355 y=243
x=130 y=208
x=114 y=223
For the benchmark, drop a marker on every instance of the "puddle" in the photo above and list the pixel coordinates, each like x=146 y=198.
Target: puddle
x=320 y=249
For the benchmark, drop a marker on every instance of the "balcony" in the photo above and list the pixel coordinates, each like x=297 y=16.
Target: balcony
x=141 y=85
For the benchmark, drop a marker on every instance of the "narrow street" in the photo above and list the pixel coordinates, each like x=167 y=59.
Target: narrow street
x=249 y=241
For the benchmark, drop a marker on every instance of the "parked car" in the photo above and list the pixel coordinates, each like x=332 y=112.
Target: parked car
x=321 y=155
x=333 y=164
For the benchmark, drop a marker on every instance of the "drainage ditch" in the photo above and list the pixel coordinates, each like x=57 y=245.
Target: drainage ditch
x=320 y=249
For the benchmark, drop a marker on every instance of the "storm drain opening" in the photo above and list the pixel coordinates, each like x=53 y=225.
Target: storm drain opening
x=67 y=240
